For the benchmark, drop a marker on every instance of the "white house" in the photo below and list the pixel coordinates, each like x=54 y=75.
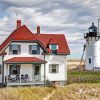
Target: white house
x=92 y=49
x=33 y=58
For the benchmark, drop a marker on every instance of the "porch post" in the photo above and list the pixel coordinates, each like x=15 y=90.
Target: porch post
x=44 y=75
x=20 y=74
x=7 y=72
x=3 y=69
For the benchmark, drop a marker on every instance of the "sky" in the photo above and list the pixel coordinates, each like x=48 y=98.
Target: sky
x=69 y=17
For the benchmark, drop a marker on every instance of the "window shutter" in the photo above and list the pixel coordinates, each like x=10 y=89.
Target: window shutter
x=10 y=49
x=38 y=49
x=30 y=49
x=10 y=70
x=57 y=68
x=18 y=69
x=19 y=49
x=50 y=68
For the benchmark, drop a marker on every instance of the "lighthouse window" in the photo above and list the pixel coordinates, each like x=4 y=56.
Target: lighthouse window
x=89 y=60
x=91 y=30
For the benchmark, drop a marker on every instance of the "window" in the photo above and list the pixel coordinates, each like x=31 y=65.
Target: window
x=89 y=60
x=34 y=49
x=90 y=30
x=53 y=68
x=54 y=48
x=14 y=69
x=14 y=49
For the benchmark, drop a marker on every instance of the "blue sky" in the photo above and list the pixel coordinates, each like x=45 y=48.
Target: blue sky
x=69 y=17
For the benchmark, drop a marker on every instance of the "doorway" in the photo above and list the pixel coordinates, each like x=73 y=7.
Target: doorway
x=37 y=72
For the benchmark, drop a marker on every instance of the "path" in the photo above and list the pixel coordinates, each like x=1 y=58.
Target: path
x=49 y=95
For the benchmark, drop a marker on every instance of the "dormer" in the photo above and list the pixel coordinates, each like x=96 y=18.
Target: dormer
x=53 y=48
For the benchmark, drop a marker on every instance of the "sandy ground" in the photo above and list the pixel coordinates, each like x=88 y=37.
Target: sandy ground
x=75 y=63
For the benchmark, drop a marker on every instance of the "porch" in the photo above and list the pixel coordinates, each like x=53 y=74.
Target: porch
x=24 y=73
x=26 y=84
x=24 y=80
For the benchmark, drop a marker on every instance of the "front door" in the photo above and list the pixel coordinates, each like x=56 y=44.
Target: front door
x=37 y=72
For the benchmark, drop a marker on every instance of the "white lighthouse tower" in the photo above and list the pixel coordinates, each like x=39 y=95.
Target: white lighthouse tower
x=92 y=49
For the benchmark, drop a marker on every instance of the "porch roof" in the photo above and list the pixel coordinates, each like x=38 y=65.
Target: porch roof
x=27 y=60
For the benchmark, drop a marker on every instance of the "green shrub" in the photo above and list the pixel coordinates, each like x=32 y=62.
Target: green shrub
x=76 y=76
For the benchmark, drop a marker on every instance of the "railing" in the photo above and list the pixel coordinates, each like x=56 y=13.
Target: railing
x=37 y=78
x=17 y=78
x=25 y=79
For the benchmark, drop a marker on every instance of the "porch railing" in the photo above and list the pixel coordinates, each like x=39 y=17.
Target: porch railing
x=22 y=78
x=17 y=78
x=26 y=79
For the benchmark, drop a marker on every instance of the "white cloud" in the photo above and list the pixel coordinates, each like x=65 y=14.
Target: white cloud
x=71 y=17
x=21 y=3
x=3 y=22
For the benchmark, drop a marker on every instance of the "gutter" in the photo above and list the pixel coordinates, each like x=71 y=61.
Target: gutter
x=25 y=62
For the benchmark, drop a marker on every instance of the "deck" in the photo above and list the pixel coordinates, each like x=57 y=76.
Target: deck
x=36 y=83
x=21 y=80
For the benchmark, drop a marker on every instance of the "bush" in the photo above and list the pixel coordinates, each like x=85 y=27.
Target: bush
x=76 y=76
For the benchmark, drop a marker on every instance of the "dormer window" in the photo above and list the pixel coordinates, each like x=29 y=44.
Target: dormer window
x=14 y=49
x=54 y=48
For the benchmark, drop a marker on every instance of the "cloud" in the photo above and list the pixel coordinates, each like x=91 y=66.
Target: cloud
x=70 y=17
x=20 y=3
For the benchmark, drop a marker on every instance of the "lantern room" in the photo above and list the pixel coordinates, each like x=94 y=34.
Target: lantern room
x=92 y=30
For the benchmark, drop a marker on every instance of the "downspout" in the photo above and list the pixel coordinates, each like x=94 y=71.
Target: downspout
x=66 y=71
x=44 y=73
x=2 y=69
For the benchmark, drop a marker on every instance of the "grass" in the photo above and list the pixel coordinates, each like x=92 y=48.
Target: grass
x=78 y=92
x=24 y=93
x=83 y=85
x=76 y=76
x=86 y=91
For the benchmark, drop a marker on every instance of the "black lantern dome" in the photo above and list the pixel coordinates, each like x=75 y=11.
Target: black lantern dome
x=93 y=29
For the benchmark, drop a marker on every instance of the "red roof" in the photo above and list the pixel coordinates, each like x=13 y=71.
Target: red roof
x=23 y=33
x=24 y=60
x=58 y=39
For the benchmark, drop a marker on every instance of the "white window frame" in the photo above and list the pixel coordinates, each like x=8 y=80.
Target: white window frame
x=17 y=48
x=35 y=48
x=51 y=68
x=53 y=44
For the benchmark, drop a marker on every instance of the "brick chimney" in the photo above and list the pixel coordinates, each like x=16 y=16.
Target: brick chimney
x=18 y=23
x=38 y=30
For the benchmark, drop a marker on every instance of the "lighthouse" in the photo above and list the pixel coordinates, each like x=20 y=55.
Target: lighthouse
x=92 y=47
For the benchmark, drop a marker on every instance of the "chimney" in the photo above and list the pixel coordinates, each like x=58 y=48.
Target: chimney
x=18 y=23
x=38 y=30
